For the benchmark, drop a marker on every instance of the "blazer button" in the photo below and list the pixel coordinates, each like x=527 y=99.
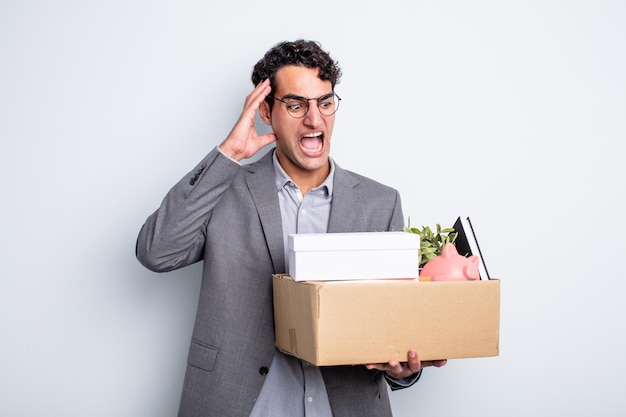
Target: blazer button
x=263 y=370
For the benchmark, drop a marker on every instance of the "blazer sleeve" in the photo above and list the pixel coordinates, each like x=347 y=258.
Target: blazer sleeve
x=397 y=218
x=396 y=384
x=174 y=235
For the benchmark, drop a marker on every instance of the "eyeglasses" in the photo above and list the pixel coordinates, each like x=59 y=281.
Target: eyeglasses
x=298 y=107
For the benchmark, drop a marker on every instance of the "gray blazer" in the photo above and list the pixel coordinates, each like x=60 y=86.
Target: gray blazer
x=229 y=216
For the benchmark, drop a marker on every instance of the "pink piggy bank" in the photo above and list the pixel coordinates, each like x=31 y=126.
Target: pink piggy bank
x=450 y=266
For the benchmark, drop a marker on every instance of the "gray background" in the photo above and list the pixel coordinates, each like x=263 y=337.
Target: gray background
x=510 y=112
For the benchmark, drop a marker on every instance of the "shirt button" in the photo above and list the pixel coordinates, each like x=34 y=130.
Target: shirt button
x=310 y=399
x=303 y=211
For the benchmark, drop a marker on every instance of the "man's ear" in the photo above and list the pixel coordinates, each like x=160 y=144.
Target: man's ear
x=265 y=113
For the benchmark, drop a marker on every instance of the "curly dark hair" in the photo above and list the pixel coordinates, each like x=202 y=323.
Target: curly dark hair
x=302 y=53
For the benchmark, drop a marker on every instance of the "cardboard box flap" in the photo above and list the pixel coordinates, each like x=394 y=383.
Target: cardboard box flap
x=353 y=241
x=295 y=307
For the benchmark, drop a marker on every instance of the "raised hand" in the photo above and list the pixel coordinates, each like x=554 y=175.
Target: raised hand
x=243 y=141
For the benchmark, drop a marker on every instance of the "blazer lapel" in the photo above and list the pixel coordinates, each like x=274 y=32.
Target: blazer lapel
x=261 y=182
x=345 y=211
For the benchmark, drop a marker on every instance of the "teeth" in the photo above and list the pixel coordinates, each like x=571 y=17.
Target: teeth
x=314 y=145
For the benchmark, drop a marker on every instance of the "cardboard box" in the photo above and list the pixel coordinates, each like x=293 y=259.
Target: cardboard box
x=375 y=321
x=344 y=256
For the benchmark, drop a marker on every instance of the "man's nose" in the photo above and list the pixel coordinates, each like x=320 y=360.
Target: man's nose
x=313 y=117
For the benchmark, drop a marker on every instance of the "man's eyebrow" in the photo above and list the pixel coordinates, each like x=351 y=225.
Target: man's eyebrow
x=295 y=96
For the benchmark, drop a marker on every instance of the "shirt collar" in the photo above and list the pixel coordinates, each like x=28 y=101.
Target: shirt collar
x=283 y=179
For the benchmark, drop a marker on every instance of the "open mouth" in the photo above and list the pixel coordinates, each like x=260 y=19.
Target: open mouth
x=312 y=143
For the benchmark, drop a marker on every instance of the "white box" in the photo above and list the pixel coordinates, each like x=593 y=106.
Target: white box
x=349 y=256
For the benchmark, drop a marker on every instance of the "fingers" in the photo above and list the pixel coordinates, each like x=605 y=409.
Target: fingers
x=403 y=370
x=397 y=369
x=243 y=141
x=413 y=363
x=394 y=369
x=437 y=363
x=253 y=102
x=266 y=139
x=256 y=97
x=400 y=370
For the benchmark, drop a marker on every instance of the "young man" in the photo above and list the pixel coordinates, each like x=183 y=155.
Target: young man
x=236 y=219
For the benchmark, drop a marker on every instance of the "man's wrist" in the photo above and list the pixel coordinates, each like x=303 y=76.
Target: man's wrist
x=396 y=383
x=228 y=156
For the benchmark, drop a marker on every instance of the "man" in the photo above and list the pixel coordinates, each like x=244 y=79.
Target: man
x=236 y=219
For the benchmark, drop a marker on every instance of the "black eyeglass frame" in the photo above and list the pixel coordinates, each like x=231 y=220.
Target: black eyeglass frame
x=304 y=99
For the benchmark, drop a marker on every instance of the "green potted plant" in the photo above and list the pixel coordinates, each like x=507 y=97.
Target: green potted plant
x=431 y=242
